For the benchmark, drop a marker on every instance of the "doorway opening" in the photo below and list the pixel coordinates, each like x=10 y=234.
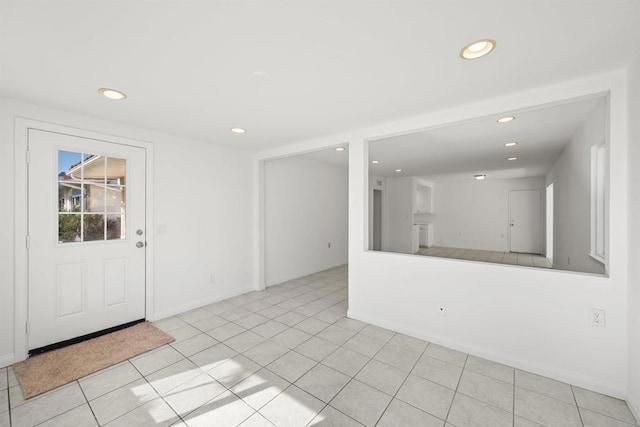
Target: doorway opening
x=525 y=225
x=377 y=220
x=549 y=223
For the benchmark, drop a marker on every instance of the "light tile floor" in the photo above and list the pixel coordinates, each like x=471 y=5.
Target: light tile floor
x=288 y=356
x=513 y=258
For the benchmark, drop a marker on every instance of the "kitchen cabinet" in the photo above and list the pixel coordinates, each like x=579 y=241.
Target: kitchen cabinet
x=423 y=201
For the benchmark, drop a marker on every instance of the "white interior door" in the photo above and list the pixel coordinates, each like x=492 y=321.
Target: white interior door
x=86 y=236
x=525 y=221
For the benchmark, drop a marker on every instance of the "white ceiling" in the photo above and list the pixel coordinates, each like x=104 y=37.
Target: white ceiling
x=478 y=146
x=332 y=66
x=331 y=156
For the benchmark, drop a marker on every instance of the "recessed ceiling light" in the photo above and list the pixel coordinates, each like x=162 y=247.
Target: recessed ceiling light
x=505 y=119
x=339 y=148
x=477 y=49
x=238 y=130
x=510 y=144
x=260 y=76
x=398 y=170
x=512 y=158
x=480 y=176
x=375 y=162
x=112 y=93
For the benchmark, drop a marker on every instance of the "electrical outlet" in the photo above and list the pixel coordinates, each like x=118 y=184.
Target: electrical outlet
x=212 y=278
x=443 y=311
x=596 y=317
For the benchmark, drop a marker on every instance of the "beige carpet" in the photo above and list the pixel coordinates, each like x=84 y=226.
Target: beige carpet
x=47 y=371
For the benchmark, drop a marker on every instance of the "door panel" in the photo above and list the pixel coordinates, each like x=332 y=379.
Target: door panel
x=85 y=272
x=525 y=221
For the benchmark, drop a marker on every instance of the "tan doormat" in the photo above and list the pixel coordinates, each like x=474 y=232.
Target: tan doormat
x=44 y=372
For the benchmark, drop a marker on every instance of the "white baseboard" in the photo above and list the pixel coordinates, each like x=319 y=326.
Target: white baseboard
x=634 y=405
x=7 y=360
x=197 y=304
x=564 y=375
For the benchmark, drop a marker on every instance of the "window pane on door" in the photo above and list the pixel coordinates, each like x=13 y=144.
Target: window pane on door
x=69 y=181
x=115 y=199
x=91 y=186
x=93 y=227
x=115 y=230
x=69 y=196
x=69 y=229
x=93 y=197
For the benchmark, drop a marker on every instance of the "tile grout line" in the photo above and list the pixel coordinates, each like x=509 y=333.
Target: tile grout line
x=9 y=398
x=455 y=392
x=276 y=374
x=320 y=363
x=577 y=407
x=403 y=382
x=514 y=399
x=353 y=378
x=87 y=400
x=159 y=396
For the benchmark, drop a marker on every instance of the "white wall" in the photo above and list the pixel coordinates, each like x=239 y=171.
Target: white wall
x=571 y=178
x=306 y=208
x=474 y=214
x=633 y=392
x=533 y=319
x=204 y=195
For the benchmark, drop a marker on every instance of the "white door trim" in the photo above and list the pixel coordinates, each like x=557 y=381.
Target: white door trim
x=22 y=126
x=540 y=215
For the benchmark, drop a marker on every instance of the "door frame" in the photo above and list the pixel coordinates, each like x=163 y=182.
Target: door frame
x=377 y=215
x=539 y=215
x=21 y=296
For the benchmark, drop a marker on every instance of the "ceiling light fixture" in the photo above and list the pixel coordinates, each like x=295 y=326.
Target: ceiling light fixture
x=260 y=76
x=477 y=49
x=339 y=148
x=505 y=119
x=398 y=170
x=112 y=93
x=510 y=144
x=238 y=130
x=480 y=176
x=512 y=158
x=375 y=162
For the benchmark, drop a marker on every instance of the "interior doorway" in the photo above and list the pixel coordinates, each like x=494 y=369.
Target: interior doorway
x=549 y=223
x=377 y=220
x=525 y=221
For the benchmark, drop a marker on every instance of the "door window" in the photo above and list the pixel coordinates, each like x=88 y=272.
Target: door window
x=91 y=197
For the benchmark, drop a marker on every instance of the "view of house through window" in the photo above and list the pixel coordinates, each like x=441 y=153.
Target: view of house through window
x=91 y=197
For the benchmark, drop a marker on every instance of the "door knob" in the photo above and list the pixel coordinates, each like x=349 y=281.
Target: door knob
x=139 y=232
x=140 y=245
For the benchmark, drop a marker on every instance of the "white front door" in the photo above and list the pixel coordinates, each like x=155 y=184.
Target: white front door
x=525 y=221
x=86 y=236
